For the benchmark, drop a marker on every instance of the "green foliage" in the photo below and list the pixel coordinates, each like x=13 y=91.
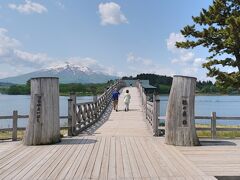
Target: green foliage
x=18 y=90
x=164 y=89
x=65 y=89
x=163 y=83
x=83 y=89
x=207 y=87
x=218 y=29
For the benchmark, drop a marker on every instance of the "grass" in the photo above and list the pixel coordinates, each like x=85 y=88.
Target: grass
x=220 y=134
x=4 y=135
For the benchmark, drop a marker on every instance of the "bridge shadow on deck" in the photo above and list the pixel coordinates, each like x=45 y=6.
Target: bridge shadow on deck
x=91 y=130
x=71 y=141
x=214 y=142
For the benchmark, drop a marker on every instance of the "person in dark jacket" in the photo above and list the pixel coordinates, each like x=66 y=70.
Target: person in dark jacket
x=115 y=95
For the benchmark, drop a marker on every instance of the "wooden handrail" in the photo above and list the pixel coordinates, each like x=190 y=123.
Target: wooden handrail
x=83 y=115
x=80 y=115
x=151 y=109
x=15 y=128
x=213 y=125
x=150 y=112
x=24 y=117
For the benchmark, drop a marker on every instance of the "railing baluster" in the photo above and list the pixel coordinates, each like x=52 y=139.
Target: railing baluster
x=70 y=124
x=156 y=114
x=15 y=119
x=74 y=118
x=213 y=125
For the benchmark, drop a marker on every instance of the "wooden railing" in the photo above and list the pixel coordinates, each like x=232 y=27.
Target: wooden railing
x=83 y=115
x=213 y=126
x=213 y=123
x=15 y=117
x=80 y=115
x=151 y=109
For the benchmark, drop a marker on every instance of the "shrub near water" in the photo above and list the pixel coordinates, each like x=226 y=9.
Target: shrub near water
x=220 y=134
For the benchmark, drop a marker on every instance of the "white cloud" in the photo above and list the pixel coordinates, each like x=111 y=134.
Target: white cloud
x=131 y=58
x=110 y=13
x=12 y=57
x=197 y=62
x=29 y=7
x=171 y=41
x=186 y=56
x=7 y=42
x=37 y=58
x=137 y=65
x=189 y=71
x=10 y=53
x=189 y=65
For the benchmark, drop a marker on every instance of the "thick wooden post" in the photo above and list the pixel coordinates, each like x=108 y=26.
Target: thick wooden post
x=44 y=125
x=156 y=106
x=180 y=122
x=15 y=119
x=213 y=125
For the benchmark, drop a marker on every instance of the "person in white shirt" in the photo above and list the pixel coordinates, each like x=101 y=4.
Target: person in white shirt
x=126 y=100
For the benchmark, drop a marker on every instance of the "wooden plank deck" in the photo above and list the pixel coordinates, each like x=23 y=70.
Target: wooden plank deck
x=215 y=157
x=121 y=147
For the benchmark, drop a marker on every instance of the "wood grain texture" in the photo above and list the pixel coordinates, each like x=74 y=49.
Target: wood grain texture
x=43 y=125
x=180 y=123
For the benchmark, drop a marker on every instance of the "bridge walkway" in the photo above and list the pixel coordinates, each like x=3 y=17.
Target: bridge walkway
x=120 y=146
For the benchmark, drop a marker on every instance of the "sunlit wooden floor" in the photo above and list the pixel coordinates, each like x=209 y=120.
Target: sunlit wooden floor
x=121 y=146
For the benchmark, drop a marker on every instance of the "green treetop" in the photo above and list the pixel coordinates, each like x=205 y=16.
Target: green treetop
x=218 y=29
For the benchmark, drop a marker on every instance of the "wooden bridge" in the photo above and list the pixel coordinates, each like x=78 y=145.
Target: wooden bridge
x=120 y=145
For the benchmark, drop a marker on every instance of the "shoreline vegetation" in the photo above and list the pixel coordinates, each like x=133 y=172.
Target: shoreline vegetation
x=4 y=135
x=162 y=84
x=64 y=89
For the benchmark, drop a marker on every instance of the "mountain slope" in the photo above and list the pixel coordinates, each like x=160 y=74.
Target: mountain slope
x=68 y=73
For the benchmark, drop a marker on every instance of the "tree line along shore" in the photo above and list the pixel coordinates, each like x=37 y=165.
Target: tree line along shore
x=162 y=84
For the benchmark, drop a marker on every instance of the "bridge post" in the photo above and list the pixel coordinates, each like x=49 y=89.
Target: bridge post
x=43 y=125
x=15 y=120
x=213 y=125
x=156 y=113
x=180 y=122
x=73 y=112
x=70 y=117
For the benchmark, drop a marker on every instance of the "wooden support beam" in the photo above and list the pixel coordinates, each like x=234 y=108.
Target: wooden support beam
x=156 y=114
x=213 y=125
x=15 y=119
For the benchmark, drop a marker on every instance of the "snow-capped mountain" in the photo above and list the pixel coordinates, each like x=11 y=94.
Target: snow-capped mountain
x=67 y=73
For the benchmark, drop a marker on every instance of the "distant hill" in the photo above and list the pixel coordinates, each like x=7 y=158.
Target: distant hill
x=164 y=83
x=67 y=73
x=5 y=84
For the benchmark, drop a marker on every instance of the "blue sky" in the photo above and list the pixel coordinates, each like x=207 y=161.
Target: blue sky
x=118 y=37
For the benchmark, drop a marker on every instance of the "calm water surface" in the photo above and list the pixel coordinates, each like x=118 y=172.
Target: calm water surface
x=204 y=105
x=8 y=103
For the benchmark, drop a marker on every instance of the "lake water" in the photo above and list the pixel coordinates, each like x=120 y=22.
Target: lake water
x=8 y=103
x=204 y=105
